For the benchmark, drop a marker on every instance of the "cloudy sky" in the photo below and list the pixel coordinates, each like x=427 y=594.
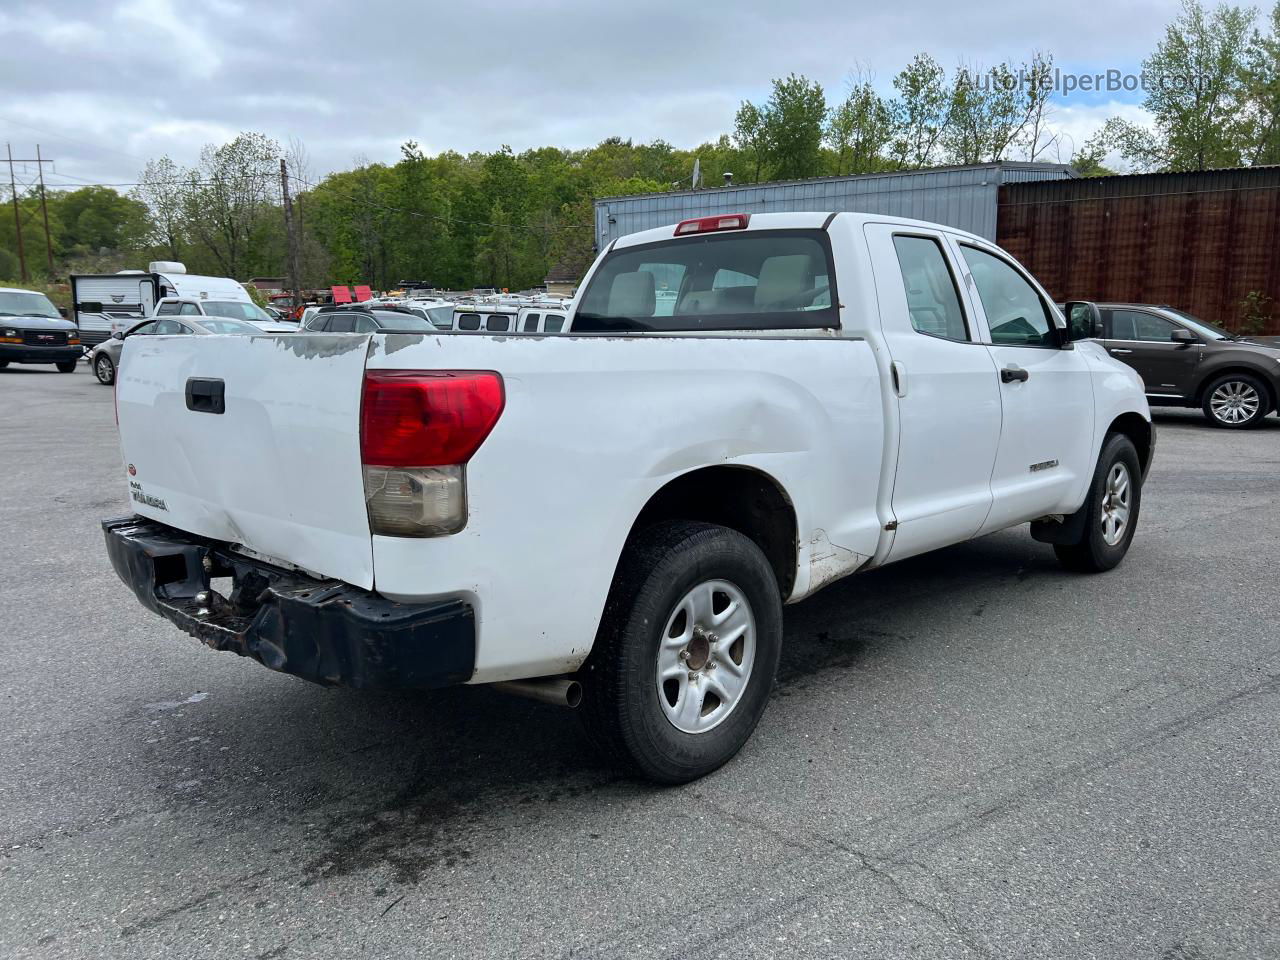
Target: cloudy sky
x=104 y=85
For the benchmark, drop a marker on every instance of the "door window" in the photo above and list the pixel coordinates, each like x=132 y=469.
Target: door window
x=361 y=324
x=468 y=321
x=555 y=323
x=932 y=298
x=189 y=310
x=1016 y=314
x=499 y=322
x=1140 y=325
x=167 y=327
x=531 y=322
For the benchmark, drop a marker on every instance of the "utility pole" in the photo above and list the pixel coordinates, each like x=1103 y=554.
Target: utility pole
x=44 y=211
x=17 y=217
x=291 y=233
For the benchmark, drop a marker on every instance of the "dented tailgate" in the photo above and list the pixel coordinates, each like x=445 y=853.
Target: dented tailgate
x=251 y=440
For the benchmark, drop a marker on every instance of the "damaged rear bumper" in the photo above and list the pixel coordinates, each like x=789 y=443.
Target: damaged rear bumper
x=325 y=631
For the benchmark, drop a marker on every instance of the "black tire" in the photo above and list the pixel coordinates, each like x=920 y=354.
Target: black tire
x=1245 y=388
x=68 y=367
x=104 y=370
x=1094 y=554
x=3 y=364
x=621 y=706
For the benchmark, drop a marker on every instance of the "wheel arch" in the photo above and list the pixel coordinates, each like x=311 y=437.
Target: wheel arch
x=1237 y=368
x=741 y=498
x=1139 y=430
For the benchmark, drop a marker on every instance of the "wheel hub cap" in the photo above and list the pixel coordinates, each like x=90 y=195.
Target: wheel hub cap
x=705 y=657
x=1116 y=504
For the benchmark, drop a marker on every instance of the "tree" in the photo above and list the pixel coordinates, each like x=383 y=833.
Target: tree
x=1197 y=93
x=227 y=195
x=793 y=127
x=98 y=218
x=1262 y=93
x=920 y=111
x=161 y=190
x=496 y=252
x=750 y=137
x=992 y=111
x=859 y=129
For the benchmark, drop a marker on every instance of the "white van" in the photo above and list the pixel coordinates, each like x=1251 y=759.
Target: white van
x=549 y=318
x=105 y=303
x=484 y=318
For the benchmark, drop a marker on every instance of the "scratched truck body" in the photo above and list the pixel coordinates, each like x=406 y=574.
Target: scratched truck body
x=745 y=410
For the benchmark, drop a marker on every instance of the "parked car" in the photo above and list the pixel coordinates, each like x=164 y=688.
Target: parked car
x=33 y=330
x=104 y=359
x=618 y=517
x=484 y=318
x=358 y=318
x=1186 y=362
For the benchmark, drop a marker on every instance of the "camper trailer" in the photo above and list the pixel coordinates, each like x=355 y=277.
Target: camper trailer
x=105 y=303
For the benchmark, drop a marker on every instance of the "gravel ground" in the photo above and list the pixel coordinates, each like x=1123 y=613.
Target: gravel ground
x=970 y=754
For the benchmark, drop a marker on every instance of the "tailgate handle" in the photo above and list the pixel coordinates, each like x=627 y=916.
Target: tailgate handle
x=206 y=395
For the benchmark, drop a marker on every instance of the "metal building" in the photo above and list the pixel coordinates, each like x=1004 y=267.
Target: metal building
x=964 y=197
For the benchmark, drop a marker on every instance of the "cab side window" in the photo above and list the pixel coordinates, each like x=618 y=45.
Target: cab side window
x=499 y=322
x=531 y=322
x=468 y=321
x=1016 y=314
x=1139 y=325
x=555 y=323
x=189 y=310
x=932 y=297
x=168 y=309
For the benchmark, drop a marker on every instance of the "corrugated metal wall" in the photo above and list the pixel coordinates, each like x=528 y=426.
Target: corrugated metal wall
x=1197 y=241
x=963 y=197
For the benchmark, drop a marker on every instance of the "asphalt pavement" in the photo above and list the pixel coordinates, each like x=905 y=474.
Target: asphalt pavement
x=970 y=754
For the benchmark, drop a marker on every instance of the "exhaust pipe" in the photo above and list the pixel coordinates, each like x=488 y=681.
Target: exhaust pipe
x=557 y=691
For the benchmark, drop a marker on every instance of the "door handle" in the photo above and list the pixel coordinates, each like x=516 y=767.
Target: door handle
x=1120 y=350
x=206 y=395
x=1010 y=374
x=899 y=373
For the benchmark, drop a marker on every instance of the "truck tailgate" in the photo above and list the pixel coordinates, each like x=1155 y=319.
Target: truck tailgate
x=277 y=470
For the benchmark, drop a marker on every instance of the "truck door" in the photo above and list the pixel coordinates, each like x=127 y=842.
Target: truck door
x=946 y=390
x=1142 y=340
x=1046 y=393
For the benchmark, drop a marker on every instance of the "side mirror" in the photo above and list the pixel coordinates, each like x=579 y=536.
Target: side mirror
x=1183 y=336
x=1084 y=320
x=118 y=335
x=62 y=312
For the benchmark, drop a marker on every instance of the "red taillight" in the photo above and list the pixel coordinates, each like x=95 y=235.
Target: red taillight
x=728 y=221
x=414 y=419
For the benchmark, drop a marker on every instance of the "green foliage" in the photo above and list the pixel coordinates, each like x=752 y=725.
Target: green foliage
x=1256 y=312
x=1199 y=83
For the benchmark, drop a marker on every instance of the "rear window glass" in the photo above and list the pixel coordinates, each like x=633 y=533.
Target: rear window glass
x=762 y=280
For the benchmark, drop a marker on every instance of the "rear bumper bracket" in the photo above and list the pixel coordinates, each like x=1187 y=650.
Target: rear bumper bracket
x=325 y=631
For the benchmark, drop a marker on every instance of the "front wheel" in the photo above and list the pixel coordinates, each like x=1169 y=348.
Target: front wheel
x=1236 y=401
x=1110 y=513
x=104 y=370
x=685 y=657
x=68 y=367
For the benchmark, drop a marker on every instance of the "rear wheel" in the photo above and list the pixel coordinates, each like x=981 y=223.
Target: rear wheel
x=1236 y=401
x=68 y=367
x=686 y=654
x=1111 y=512
x=104 y=370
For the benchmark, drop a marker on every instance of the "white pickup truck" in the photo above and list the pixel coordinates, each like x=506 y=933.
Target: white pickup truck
x=746 y=409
